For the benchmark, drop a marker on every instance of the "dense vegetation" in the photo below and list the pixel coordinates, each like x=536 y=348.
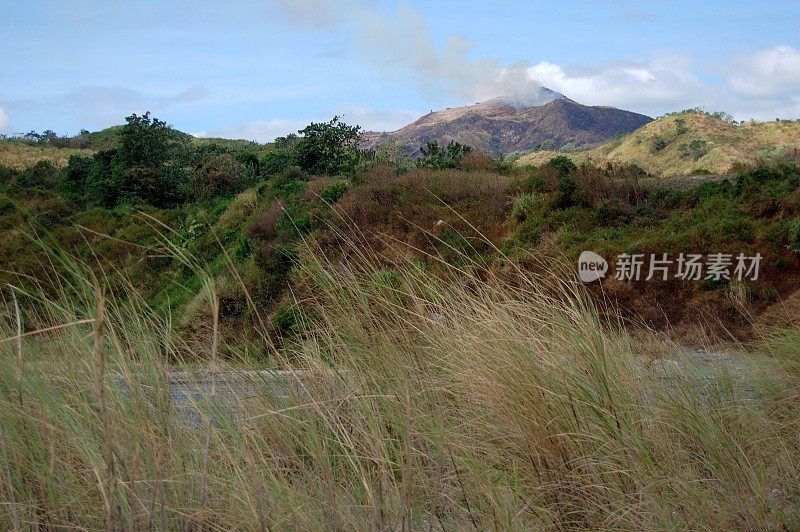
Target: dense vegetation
x=241 y=210
x=448 y=371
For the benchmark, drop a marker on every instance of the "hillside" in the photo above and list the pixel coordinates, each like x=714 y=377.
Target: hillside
x=500 y=127
x=19 y=155
x=690 y=143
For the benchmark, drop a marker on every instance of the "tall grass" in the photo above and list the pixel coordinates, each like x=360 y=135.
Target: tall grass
x=462 y=399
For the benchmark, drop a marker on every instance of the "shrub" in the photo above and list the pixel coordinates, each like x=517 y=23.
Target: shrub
x=794 y=235
x=333 y=192
x=478 y=161
x=250 y=162
x=265 y=226
x=562 y=164
x=8 y=175
x=276 y=161
x=614 y=212
x=696 y=149
x=216 y=175
x=290 y=174
x=42 y=174
x=75 y=175
x=392 y=154
x=287 y=320
x=566 y=194
x=438 y=158
x=658 y=144
x=522 y=205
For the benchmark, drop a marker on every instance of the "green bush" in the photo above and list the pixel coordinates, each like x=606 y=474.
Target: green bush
x=75 y=175
x=329 y=148
x=522 y=205
x=614 y=212
x=145 y=166
x=216 y=175
x=333 y=192
x=8 y=175
x=276 y=161
x=287 y=320
x=438 y=158
x=43 y=174
x=695 y=149
x=563 y=165
x=794 y=235
x=658 y=144
x=567 y=193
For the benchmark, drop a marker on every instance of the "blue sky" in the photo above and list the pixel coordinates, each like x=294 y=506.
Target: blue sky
x=247 y=69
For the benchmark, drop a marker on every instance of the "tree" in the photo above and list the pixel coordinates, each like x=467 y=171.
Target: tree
x=75 y=175
x=147 y=163
x=145 y=142
x=289 y=142
x=438 y=158
x=563 y=165
x=566 y=193
x=328 y=148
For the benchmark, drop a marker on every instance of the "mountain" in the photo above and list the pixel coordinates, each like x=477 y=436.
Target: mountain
x=501 y=126
x=691 y=142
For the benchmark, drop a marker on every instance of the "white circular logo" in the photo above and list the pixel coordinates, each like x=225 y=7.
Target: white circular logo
x=591 y=267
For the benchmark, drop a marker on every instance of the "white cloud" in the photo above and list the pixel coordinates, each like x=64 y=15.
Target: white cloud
x=190 y=95
x=267 y=130
x=768 y=72
x=257 y=130
x=100 y=98
x=4 y=121
x=764 y=85
x=651 y=87
x=376 y=119
x=400 y=43
x=93 y=106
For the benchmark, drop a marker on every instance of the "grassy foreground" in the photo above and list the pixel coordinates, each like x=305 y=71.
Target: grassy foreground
x=464 y=400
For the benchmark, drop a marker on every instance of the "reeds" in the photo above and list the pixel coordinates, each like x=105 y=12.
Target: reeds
x=459 y=398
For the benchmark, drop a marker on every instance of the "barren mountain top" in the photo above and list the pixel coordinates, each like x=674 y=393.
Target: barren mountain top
x=502 y=125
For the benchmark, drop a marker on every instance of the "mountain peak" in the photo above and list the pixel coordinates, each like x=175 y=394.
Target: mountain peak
x=505 y=125
x=533 y=99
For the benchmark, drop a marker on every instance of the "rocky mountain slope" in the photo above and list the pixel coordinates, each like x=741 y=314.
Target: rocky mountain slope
x=501 y=126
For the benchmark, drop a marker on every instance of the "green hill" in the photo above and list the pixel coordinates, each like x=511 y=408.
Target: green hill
x=20 y=153
x=691 y=143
